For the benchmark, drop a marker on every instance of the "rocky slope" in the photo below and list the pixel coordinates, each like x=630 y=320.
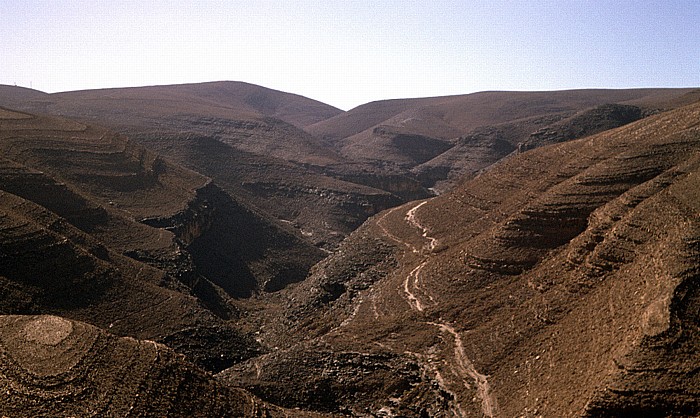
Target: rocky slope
x=555 y=277
x=97 y=229
x=52 y=366
x=141 y=205
x=279 y=152
x=485 y=145
x=559 y=282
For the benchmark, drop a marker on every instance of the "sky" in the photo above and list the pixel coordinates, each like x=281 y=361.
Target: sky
x=346 y=53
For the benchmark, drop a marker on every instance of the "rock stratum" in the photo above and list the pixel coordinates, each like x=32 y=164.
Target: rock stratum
x=556 y=273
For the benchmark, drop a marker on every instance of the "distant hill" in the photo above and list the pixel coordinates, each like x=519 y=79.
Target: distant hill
x=220 y=98
x=450 y=116
x=469 y=132
x=12 y=96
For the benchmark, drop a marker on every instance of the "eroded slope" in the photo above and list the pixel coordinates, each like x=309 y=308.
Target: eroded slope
x=142 y=205
x=442 y=140
x=250 y=141
x=560 y=282
x=99 y=230
x=51 y=366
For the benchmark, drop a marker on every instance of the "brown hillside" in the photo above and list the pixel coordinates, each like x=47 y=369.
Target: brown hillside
x=97 y=229
x=555 y=274
x=122 y=183
x=249 y=140
x=450 y=116
x=364 y=117
x=560 y=282
x=52 y=366
x=246 y=116
x=49 y=266
x=243 y=136
x=216 y=99
x=13 y=96
x=486 y=145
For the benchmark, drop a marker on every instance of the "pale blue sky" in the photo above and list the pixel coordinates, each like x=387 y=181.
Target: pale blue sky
x=346 y=53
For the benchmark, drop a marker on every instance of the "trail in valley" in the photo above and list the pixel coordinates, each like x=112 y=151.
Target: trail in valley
x=465 y=369
x=412 y=281
x=462 y=367
x=413 y=220
x=380 y=224
x=413 y=276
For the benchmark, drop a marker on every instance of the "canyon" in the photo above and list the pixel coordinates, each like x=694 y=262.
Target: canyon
x=224 y=249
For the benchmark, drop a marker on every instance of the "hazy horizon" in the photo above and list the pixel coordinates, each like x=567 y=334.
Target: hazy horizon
x=349 y=53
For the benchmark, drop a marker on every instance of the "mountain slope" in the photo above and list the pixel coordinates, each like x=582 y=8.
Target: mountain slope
x=450 y=116
x=486 y=145
x=97 y=229
x=135 y=193
x=556 y=281
x=52 y=366
x=13 y=96
x=275 y=151
x=559 y=282
x=463 y=134
x=250 y=117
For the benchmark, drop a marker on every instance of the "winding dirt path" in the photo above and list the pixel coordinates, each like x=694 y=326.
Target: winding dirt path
x=413 y=300
x=463 y=367
x=413 y=220
x=380 y=224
